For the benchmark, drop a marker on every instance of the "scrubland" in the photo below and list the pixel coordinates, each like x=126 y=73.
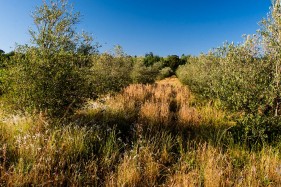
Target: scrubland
x=72 y=116
x=146 y=135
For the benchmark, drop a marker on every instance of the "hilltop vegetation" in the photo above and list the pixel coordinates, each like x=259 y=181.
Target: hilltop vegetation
x=72 y=116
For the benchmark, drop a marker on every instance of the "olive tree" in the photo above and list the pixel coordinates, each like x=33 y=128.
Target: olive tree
x=51 y=75
x=271 y=33
x=110 y=72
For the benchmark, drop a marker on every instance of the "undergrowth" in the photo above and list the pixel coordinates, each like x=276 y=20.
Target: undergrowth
x=147 y=135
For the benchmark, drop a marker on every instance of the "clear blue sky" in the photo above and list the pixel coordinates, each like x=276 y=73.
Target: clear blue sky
x=140 y=26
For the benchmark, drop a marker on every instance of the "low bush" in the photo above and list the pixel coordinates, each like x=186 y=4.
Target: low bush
x=144 y=74
x=110 y=73
x=54 y=83
x=165 y=73
x=257 y=131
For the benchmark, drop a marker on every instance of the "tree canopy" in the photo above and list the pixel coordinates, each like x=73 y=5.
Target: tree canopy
x=55 y=23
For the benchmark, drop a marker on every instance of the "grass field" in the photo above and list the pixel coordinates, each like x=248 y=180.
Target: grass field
x=146 y=135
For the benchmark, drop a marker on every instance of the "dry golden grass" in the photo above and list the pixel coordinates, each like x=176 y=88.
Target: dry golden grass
x=118 y=145
x=170 y=81
x=128 y=173
x=167 y=102
x=155 y=113
x=211 y=168
x=188 y=115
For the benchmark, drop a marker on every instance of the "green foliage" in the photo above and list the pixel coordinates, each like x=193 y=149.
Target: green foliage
x=143 y=74
x=150 y=59
x=233 y=74
x=164 y=73
x=52 y=75
x=173 y=61
x=255 y=131
x=55 y=22
x=185 y=58
x=197 y=75
x=2 y=52
x=271 y=34
x=2 y=60
x=54 y=83
x=246 y=78
x=109 y=73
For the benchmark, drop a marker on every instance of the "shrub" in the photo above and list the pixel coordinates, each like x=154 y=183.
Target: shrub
x=246 y=77
x=165 y=72
x=56 y=84
x=51 y=75
x=143 y=74
x=150 y=59
x=173 y=61
x=199 y=75
x=109 y=73
x=233 y=75
x=256 y=131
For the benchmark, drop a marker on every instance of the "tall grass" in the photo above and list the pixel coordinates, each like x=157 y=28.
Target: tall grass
x=147 y=135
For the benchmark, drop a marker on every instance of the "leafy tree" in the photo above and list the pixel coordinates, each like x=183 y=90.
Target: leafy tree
x=55 y=31
x=271 y=35
x=110 y=72
x=52 y=75
x=118 y=51
x=144 y=74
x=164 y=73
x=245 y=76
x=173 y=61
x=185 y=58
x=150 y=59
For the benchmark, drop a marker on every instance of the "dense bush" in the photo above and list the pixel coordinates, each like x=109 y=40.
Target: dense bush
x=51 y=75
x=173 y=61
x=164 y=73
x=236 y=75
x=246 y=78
x=110 y=73
x=197 y=75
x=54 y=83
x=150 y=59
x=144 y=74
x=255 y=131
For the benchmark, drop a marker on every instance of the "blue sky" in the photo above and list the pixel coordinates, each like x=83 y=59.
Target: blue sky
x=140 y=26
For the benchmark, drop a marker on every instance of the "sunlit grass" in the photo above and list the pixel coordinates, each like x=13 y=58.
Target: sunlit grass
x=146 y=135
